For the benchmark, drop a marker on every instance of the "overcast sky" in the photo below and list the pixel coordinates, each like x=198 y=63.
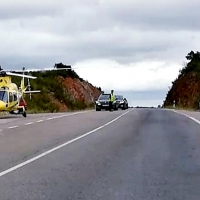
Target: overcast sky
x=131 y=46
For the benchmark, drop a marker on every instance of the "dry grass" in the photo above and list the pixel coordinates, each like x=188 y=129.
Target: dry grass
x=180 y=108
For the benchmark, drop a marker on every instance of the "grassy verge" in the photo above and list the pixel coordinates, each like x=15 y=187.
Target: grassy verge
x=37 y=111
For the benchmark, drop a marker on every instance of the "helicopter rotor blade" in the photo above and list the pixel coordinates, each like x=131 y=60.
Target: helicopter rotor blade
x=44 y=69
x=20 y=75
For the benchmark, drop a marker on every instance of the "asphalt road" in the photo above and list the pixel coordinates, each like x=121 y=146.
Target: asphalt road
x=134 y=154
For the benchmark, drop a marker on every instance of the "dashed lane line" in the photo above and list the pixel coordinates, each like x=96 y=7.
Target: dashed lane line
x=66 y=115
x=11 y=127
x=50 y=118
x=29 y=123
x=40 y=120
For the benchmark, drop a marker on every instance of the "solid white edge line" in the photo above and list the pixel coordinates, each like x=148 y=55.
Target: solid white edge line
x=59 y=147
x=188 y=116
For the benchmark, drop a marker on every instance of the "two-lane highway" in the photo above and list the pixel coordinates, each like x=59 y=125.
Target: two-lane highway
x=134 y=154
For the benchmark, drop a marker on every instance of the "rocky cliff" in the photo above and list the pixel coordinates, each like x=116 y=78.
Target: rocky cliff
x=60 y=91
x=185 y=90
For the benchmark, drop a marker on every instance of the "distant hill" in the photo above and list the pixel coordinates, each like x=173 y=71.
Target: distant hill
x=60 y=91
x=185 y=90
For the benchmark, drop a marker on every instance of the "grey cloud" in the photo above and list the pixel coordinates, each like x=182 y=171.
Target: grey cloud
x=152 y=46
x=157 y=15
x=10 y=9
x=159 y=21
x=170 y=15
x=17 y=62
x=26 y=10
x=91 y=15
x=71 y=31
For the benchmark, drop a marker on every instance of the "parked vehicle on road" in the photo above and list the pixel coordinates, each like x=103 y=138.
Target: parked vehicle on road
x=121 y=102
x=103 y=103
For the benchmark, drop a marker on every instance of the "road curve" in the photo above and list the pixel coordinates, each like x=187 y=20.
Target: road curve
x=136 y=154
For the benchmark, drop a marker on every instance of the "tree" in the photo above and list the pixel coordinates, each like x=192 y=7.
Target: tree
x=193 y=56
x=60 y=65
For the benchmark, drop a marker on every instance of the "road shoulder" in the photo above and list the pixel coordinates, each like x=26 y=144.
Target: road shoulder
x=195 y=116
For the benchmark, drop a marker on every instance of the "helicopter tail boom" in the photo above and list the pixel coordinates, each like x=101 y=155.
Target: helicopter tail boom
x=32 y=91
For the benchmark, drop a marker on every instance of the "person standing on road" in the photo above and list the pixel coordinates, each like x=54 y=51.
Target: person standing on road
x=111 y=100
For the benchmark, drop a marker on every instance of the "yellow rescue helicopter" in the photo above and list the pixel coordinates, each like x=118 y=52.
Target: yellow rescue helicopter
x=11 y=96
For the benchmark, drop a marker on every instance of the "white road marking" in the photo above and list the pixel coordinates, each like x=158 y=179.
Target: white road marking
x=29 y=123
x=56 y=117
x=40 y=120
x=66 y=115
x=53 y=117
x=60 y=116
x=49 y=118
x=59 y=147
x=188 y=116
x=13 y=127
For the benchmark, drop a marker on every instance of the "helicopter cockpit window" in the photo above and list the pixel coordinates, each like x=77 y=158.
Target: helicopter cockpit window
x=4 y=96
x=10 y=97
x=14 y=96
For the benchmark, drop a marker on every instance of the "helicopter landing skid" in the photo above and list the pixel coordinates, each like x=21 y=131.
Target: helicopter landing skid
x=19 y=111
x=24 y=114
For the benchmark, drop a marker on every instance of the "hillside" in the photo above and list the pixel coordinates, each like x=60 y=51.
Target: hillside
x=60 y=91
x=185 y=89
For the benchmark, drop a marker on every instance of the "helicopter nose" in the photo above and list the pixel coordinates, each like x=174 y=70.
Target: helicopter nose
x=2 y=105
